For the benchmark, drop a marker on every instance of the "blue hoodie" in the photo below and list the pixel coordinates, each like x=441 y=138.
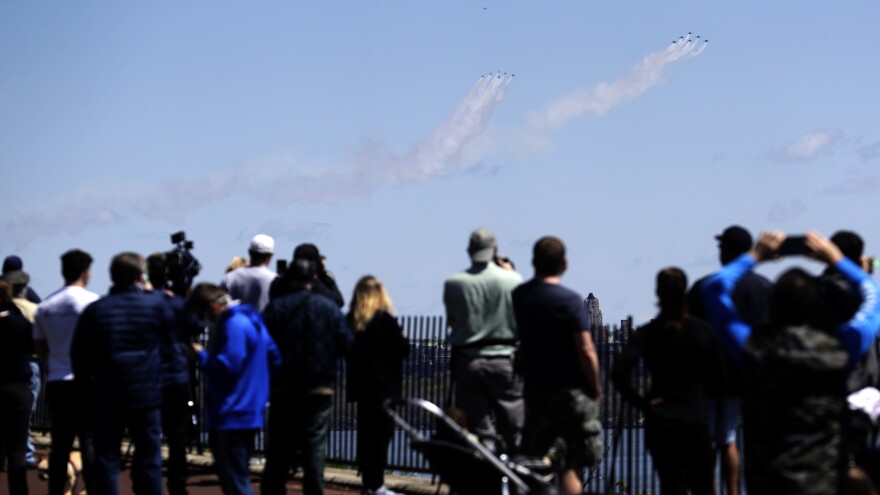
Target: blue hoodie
x=237 y=367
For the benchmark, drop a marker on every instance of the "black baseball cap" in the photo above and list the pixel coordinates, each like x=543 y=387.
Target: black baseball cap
x=735 y=239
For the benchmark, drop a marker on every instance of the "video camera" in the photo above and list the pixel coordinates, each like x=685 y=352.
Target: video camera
x=182 y=266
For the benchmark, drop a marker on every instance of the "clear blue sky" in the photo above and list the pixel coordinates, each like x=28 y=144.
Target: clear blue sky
x=334 y=123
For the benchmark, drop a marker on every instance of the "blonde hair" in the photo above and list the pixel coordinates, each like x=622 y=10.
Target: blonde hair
x=237 y=262
x=369 y=298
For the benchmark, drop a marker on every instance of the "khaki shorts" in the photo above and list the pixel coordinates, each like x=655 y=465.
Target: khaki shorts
x=568 y=418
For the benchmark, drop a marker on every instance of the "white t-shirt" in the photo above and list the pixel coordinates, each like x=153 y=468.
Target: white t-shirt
x=55 y=322
x=250 y=285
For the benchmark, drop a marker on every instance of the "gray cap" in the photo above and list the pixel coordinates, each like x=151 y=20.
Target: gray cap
x=17 y=277
x=482 y=245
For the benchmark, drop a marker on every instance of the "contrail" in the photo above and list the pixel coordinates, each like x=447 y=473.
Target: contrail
x=279 y=184
x=602 y=97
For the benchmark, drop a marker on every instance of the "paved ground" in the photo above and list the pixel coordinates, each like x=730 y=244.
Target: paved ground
x=202 y=481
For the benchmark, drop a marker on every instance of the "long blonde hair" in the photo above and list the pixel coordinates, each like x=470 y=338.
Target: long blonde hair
x=369 y=297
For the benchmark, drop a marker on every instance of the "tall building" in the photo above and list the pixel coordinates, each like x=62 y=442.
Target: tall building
x=593 y=312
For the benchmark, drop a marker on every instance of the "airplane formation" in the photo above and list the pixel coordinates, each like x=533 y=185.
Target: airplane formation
x=688 y=40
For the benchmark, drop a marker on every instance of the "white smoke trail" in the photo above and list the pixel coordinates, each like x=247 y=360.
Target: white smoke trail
x=602 y=97
x=279 y=183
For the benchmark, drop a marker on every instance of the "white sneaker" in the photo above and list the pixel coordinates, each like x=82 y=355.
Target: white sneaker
x=382 y=490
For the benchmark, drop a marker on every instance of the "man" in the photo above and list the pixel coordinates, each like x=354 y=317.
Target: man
x=751 y=296
x=479 y=311
x=116 y=358
x=176 y=392
x=309 y=331
x=794 y=373
x=237 y=367
x=560 y=366
x=250 y=284
x=54 y=325
x=323 y=282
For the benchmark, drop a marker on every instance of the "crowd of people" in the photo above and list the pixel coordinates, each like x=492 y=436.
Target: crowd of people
x=782 y=358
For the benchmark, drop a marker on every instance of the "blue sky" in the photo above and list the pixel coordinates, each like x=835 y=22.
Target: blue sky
x=337 y=123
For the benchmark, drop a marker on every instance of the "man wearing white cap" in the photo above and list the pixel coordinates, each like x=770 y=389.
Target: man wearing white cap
x=250 y=284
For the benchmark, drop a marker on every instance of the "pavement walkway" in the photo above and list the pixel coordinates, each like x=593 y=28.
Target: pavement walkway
x=202 y=481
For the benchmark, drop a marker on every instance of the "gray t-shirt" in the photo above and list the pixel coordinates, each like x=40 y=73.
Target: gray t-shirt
x=479 y=309
x=250 y=285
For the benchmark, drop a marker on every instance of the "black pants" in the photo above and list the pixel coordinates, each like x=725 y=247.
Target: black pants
x=682 y=456
x=15 y=412
x=176 y=419
x=374 y=431
x=66 y=423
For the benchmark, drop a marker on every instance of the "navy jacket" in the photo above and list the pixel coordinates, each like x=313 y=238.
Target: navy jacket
x=310 y=333
x=116 y=349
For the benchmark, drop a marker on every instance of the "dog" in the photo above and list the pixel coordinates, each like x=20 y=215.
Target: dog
x=74 y=473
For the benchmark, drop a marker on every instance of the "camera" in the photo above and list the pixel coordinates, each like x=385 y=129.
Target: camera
x=182 y=266
x=793 y=246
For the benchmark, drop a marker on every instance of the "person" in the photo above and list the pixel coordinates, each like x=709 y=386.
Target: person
x=795 y=373
x=310 y=332
x=19 y=280
x=117 y=364
x=560 y=366
x=683 y=357
x=322 y=283
x=13 y=263
x=374 y=374
x=176 y=392
x=236 y=263
x=751 y=296
x=15 y=395
x=237 y=368
x=479 y=312
x=250 y=284
x=54 y=325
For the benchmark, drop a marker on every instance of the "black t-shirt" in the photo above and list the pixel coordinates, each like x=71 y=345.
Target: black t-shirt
x=548 y=318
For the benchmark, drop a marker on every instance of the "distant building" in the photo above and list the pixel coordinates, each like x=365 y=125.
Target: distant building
x=593 y=312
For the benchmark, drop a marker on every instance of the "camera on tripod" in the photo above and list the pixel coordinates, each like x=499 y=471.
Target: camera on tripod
x=182 y=266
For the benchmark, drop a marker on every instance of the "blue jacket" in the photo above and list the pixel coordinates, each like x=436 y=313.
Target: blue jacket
x=237 y=368
x=116 y=348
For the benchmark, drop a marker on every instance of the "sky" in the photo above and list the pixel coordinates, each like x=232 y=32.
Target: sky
x=385 y=132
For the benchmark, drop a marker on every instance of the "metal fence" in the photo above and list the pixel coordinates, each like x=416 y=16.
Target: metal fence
x=626 y=464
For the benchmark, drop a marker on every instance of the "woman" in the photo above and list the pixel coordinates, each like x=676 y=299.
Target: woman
x=15 y=394
x=682 y=356
x=375 y=373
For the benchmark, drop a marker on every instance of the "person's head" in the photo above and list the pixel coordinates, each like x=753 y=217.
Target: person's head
x=5 y=291
x=12 y=263
x=732 y=243
x=850 y=244
x=236 y=263
x=157 y=270
x=796 y=297
x=672 y=293
x=75 y=266
x=482 y=245
x=127 y=268
x=261 y=249
x=19 y=280
x=207 y=301
x=369 y=297
x=548 y=257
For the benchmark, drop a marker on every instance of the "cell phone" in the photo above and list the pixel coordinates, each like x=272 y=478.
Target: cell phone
x=793 y=246
x=281 y=267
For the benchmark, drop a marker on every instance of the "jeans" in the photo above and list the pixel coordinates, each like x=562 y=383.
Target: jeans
x=232 y=451
x=145 y=432
x=35 y=392
x=297 y=420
